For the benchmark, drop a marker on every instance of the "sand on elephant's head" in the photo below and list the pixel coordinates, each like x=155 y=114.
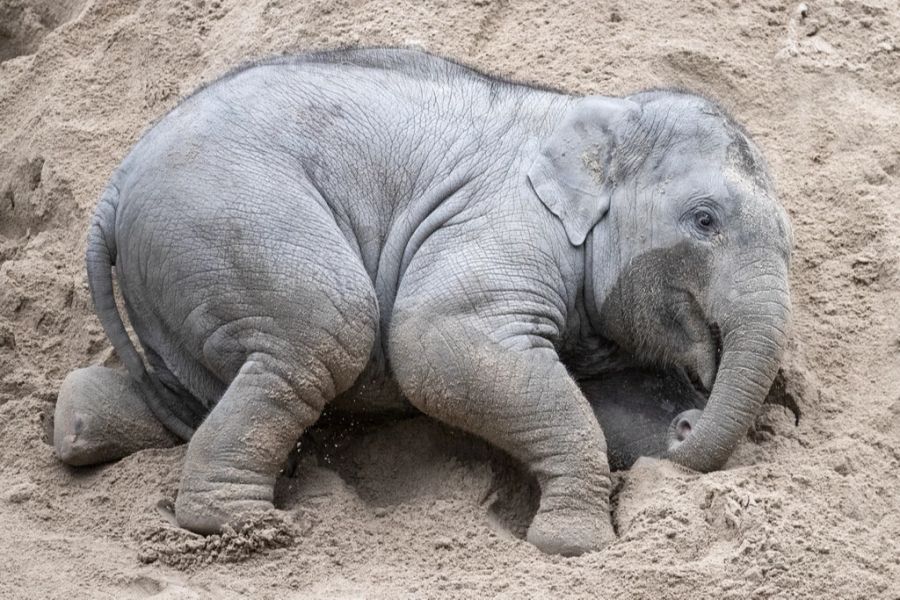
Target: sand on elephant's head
x=410 y=508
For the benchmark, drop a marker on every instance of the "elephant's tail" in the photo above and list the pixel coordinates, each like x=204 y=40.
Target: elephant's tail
x=100 y=258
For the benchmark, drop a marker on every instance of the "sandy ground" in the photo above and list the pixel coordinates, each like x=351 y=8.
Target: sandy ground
x=410 y=509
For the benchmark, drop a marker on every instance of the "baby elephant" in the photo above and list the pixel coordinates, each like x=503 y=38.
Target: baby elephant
x=374 y=227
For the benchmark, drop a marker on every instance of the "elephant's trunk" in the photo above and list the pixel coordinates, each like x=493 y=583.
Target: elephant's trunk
x=754 y=328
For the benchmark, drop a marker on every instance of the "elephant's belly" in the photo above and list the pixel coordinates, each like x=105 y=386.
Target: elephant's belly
x=198 y=391
x=375 y=390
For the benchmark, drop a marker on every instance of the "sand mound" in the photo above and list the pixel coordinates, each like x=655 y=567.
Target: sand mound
x=409 y=508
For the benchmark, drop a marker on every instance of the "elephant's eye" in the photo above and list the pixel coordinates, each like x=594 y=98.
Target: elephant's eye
x=705 y=221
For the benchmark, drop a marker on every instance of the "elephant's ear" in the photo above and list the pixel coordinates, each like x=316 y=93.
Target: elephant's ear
x=570 y=172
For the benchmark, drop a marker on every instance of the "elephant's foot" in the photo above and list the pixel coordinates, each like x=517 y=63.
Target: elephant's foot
x=570 y=534
x=573 y=516
x=205 y=507
x=100 y=416
x=237 y=452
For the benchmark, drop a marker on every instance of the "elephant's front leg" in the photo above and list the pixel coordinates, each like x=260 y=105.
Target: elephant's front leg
x=514 y=392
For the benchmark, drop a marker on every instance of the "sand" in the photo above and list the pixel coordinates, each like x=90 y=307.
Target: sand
x=409 y=508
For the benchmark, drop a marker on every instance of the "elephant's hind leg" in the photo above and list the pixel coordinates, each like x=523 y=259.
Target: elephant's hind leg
x=292 y=371
x=101 y=416
x=234 y=457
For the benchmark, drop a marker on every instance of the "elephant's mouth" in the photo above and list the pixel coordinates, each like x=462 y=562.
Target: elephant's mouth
x=693 y=371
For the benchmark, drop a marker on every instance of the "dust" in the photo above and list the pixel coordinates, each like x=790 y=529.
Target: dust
x=594 y=163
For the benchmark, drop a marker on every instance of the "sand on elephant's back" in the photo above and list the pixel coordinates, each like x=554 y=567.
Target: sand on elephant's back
x=409 y=508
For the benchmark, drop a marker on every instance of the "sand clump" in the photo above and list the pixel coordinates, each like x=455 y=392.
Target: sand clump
x=182 y=549
x=408 y=508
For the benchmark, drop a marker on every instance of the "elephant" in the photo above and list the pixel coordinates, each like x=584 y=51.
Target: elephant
x=372 y=229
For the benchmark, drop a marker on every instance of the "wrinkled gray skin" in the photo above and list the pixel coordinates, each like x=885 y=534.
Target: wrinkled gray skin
x=360 y=226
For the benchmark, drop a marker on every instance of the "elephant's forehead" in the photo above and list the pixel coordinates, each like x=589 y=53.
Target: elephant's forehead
x=683 y=175
x=687 y=119
x=711 y=170
x=690 y=128
x=685 y=156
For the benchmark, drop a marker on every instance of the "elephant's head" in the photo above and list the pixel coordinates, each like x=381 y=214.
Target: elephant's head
x=687 y=248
